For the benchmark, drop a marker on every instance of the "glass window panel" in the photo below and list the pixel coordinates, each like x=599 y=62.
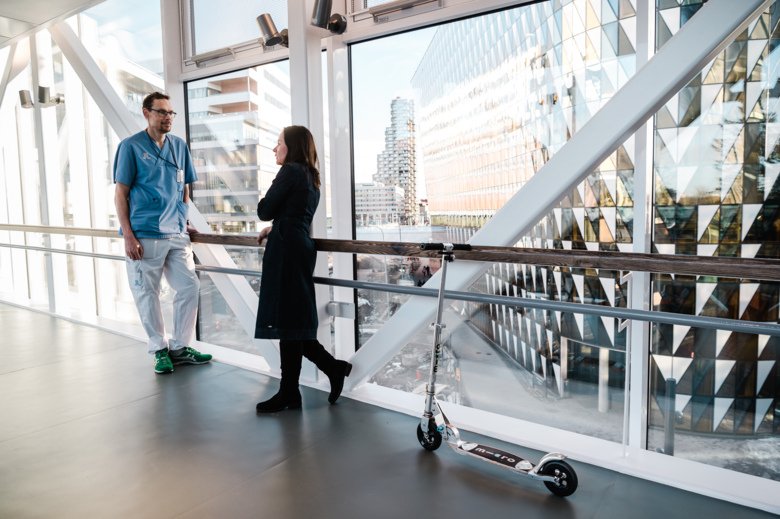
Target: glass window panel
x=218 y=25
x=114 y=299
x=84 y=192
x=483 y=123
x=217 y=323
x=21 y=187
x=234 y=122
x=79 y=187
x=498 y=362
x=716 y=194
x=125 y=40
x=131 y=31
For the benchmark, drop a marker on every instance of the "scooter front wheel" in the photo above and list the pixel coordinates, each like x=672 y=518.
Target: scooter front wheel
x=431 y=441
x=567 y=478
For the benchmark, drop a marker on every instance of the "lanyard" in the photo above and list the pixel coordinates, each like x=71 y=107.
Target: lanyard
x=175 y=162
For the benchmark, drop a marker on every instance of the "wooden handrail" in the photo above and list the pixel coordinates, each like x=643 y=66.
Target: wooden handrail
x=747 y=268
x=738 y=268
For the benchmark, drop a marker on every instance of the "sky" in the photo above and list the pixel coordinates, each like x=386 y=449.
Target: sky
x=382 y=69
x=131 y=29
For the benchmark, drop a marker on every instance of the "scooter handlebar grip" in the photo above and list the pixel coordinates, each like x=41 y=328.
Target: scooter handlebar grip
x=440 y=246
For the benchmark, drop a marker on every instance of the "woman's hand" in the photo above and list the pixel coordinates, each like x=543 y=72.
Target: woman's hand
x=264 y=235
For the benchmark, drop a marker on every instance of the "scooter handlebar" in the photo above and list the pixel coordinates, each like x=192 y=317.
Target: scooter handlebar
x=441 y=246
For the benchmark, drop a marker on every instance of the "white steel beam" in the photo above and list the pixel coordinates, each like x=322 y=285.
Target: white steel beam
x=7 y=72
x=114 y=110
x=716 y=25
x=43 y=174
x=172 y=60
x=638 y=339
x=341 y=184
x=305 y=43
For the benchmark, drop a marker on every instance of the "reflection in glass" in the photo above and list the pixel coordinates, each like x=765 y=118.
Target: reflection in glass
x=234 y=122
x=375 y=307
x=493 y=97
x=716 y=194
x=217 y=323
x=514 y=381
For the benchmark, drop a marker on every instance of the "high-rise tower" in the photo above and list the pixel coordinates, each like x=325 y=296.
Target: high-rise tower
x=396 y=164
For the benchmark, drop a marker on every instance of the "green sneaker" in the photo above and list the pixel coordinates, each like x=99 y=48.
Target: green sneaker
x=188 y=355
x=162 y=362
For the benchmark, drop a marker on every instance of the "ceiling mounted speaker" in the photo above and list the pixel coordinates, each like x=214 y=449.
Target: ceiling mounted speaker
x=45 y=98
x=25 y=99
x=321 y=17
x=321 y=13
x=271 y=36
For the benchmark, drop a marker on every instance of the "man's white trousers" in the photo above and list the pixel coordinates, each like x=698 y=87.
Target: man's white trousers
x=173 y=258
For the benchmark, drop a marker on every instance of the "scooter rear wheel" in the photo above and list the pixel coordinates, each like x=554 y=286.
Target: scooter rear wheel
x=432 y=441
x=567 y=478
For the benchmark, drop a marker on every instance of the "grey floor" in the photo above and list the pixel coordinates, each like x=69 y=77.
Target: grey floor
x=88 y=430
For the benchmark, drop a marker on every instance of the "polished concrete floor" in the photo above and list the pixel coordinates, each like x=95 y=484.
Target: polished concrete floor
x=88 y=430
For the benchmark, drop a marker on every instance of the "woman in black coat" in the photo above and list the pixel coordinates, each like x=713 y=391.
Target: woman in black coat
x=287 y=308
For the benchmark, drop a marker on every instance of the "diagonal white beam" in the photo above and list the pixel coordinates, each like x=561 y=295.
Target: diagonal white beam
x=95 y=81
x=716 y=25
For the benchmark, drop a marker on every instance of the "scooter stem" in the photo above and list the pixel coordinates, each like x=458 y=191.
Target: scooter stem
x=430 y=388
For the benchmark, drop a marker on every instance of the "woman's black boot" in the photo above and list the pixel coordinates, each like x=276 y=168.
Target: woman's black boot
x=288 y=396
x=336 y=370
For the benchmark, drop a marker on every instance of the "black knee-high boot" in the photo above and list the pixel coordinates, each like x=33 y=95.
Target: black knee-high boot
x=288 y=396
x=336 y=370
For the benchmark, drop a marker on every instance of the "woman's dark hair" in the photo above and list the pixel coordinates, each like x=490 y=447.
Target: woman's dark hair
x=149 y=100
x=301 y=150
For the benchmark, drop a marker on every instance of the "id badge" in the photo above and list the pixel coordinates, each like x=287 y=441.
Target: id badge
x=179 y=176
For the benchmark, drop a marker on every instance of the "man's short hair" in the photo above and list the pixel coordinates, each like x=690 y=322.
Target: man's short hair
x=149 y=100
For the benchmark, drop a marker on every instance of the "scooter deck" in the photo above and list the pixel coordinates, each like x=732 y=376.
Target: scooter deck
x=497 y=456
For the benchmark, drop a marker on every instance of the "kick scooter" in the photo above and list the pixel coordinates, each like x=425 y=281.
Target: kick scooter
x=558 y=476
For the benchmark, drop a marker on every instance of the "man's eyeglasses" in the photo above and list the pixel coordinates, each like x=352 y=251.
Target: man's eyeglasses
x=163 y=113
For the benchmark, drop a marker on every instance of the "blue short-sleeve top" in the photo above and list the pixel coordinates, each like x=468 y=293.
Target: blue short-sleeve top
x=156 y=177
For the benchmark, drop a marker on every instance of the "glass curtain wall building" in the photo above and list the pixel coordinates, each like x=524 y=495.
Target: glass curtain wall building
x=497 y=96
x=436 y=118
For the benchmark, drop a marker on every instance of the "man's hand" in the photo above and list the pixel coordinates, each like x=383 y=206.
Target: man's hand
x=133 y=248
x=191 y=228
x=263 y=235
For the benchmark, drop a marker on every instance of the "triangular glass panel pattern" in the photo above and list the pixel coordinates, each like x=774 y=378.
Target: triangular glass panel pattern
x=716 y=152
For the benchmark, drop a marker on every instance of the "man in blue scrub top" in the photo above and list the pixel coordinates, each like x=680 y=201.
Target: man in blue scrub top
x=152 y=171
